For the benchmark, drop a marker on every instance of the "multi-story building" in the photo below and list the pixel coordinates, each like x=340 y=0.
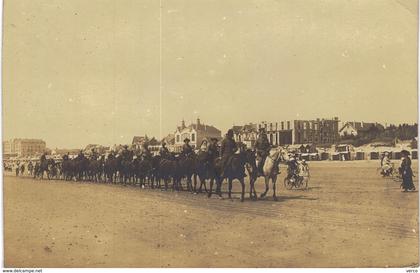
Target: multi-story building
x=23 y=147
x=196 y=132
x=246 y=134
x=318 y=131
x=8 y=147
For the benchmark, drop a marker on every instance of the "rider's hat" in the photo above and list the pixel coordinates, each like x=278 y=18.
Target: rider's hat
x=186 y=140
x=262 y=129
x=125 y=146
x=214 y=139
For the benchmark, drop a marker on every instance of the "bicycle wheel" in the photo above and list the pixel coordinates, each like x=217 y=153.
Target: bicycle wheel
x=305 y=182
x=288 y=184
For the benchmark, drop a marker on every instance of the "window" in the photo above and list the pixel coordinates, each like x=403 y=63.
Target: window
x=192 y=137
x=177 y=138
x=288 y=125
x=282 y=125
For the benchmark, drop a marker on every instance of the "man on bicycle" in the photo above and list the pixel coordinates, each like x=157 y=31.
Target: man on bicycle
x=292 y=165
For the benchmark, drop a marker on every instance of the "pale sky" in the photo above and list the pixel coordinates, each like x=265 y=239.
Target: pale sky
x=79 y=72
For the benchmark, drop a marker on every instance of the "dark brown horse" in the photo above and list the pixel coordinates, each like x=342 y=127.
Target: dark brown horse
x=234 y=170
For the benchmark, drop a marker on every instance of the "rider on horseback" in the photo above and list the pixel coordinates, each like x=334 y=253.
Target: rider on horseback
x=125 y=154
x=145 y=152
x=263 y=147
x=163 y=151
x=213 y=150
x=80 y=156
x=94 y=155
x=227 y=150
x=111 y=155
x=187 y=150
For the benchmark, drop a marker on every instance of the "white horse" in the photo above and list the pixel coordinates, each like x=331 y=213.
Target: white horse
x=270 y=171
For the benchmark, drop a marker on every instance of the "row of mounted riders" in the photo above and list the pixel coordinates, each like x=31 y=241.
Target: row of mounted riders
x=173 y=168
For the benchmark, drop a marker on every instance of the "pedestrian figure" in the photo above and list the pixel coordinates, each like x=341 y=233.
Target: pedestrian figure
x=406 y=172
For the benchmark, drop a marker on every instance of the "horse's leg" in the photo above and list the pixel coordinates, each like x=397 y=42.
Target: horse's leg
x=152 y=182
x=266 y=179
x=251 y=187
x=179 y=184
x=165 y=180
x=243 y=189
x=274 y=179
x=219 y=186
x=204 y=183
x=211 y=188
x=201 y=185
x=195 y=183
x=230 y=188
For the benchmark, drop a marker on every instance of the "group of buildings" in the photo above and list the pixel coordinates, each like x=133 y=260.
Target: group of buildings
x=322 y=133
x=19 y=147
x=317 y=131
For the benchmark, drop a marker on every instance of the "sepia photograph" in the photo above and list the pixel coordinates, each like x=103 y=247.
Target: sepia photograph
x=210 y=134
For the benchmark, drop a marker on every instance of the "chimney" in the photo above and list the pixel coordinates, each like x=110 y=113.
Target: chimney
x=183 y=124
x=198 y=122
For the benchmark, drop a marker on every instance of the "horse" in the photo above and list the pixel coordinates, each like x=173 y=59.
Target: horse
x=142 y=168
x=110 y=169
x=169 y=169
x=270 y=171
x=67 y=168
x=155 y=173
x=234 y=169
x=188 y=169
x=80 y=168
x=41 y=167
x=95 y=169
x=205 y=170
x=126 y=170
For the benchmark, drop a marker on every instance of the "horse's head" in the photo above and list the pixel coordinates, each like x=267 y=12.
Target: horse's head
x=284 y=154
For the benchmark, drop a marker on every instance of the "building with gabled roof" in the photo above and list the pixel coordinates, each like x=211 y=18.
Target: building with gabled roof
x=354 y=128
x=196 y=133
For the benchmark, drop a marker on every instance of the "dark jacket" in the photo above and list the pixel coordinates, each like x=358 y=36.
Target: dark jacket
x=187 y=149
x=228 y=147
x=262 y=145
x=213 y=151
x=163 y=151
x=43 y=158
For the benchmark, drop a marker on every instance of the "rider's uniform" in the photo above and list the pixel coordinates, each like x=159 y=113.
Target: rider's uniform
x=164 y=152
x=213 y=151
x=187 y=150
x=262 y=146
x=227 y=149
